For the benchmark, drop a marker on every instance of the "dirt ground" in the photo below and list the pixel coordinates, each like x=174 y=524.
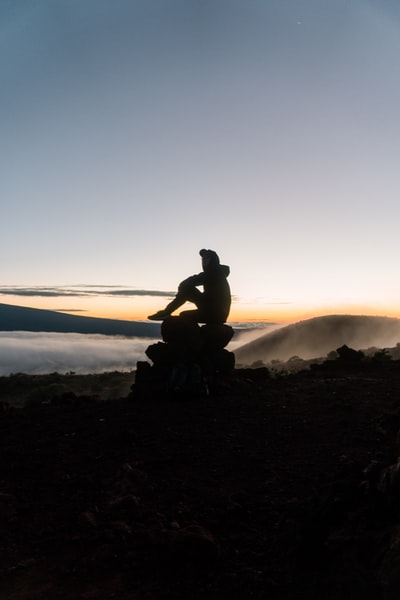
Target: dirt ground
x=268 y=488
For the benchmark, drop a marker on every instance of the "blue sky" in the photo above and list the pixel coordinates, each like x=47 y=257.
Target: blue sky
x=134 y=133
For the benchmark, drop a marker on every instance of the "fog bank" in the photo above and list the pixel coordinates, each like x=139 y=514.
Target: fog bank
x=40 y=353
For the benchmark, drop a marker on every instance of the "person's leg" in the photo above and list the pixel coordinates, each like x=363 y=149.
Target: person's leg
x=188 y=293
x=198 y=316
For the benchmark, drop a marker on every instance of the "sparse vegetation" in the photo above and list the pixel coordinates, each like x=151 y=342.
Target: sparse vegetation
x=21 y=390
x=341 y=355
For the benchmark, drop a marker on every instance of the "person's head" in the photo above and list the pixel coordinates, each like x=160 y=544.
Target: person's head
x=209 y=259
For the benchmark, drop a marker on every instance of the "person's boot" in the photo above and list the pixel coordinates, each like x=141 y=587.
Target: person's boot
x=159 y=316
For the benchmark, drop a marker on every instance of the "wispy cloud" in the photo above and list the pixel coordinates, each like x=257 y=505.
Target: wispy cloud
x=39 y=353
x=79 y=291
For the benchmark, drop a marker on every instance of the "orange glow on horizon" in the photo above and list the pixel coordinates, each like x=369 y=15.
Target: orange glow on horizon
x=240 y=314
x=138 y=308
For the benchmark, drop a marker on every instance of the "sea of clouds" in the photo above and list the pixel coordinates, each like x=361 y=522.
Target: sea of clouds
x=40 y=353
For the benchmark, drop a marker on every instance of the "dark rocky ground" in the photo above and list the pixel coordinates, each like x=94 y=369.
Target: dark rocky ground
x=269 y=488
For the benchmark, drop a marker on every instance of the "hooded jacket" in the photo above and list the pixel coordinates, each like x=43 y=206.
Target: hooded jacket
x=216 y=301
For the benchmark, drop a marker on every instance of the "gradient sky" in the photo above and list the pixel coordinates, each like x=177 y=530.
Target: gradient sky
x=134 y=133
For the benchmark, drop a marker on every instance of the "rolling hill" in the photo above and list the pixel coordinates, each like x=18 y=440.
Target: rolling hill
x=18 y=318
x=316 y=337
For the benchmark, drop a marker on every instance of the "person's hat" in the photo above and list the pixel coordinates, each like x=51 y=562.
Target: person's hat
x=211 y=255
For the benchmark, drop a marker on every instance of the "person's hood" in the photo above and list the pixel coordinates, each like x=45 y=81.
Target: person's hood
x=226 y=270
x=220 y=269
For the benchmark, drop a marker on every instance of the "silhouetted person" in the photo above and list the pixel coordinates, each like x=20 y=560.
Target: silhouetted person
x=213 y=304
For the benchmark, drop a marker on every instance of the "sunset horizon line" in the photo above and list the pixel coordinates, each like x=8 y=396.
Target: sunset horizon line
x=239 y=314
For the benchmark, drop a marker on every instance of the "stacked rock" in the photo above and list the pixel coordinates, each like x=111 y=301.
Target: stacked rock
x=187 y=355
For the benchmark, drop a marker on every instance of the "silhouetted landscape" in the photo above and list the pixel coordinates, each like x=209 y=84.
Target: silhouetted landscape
x=266 y=483
x=21 y=318
x=316 y=337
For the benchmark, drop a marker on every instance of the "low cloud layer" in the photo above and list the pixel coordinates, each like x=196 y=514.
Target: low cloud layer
x=40 y=353
x=248 y=332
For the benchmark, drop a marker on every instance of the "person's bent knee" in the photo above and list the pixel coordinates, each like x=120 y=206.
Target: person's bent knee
x=190 y=293
x=186 y=287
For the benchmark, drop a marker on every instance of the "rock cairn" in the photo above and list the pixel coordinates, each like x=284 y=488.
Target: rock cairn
x=188 y=355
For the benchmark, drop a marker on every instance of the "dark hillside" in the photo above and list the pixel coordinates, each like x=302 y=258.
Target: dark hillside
x=18 y=318
x=318 y=336
x=266 y=489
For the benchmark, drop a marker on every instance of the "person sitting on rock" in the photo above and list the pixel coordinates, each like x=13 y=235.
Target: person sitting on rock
x=213 y=304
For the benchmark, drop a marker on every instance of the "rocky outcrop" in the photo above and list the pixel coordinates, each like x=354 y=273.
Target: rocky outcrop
x=187 y=356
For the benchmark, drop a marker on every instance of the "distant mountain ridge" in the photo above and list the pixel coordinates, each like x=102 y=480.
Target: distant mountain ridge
x=20 y=318
x=314 y=338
